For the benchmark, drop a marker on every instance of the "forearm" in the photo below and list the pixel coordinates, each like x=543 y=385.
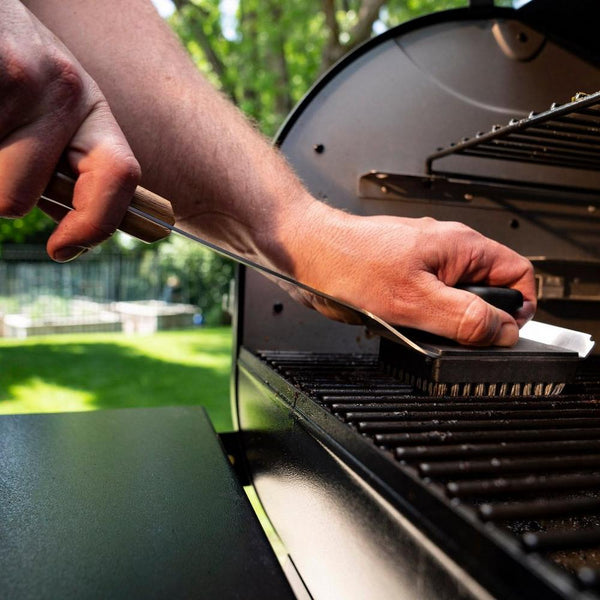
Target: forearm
x=194 y=147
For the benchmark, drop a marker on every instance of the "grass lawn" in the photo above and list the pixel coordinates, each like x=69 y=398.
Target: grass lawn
x=112 y=370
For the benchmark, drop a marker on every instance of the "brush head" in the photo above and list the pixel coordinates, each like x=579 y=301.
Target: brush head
x=528 y=368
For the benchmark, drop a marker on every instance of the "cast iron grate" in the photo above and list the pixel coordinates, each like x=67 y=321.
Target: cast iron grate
x=529 y=465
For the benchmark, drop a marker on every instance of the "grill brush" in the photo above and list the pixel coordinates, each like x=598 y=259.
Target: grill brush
x=528 y=368
x=449 y=369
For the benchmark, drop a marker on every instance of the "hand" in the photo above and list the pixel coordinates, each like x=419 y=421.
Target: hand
x=404 y=271
x=51 y=108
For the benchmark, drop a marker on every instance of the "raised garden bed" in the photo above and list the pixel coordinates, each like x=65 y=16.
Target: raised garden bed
x=22 y=326
x=148 y=316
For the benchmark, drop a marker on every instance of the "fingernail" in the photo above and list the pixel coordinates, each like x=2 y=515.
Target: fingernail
x=68 y=253
x=508 y=335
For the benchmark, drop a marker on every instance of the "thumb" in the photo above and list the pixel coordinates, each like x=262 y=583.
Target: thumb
x=466 y=318
x=107 y=176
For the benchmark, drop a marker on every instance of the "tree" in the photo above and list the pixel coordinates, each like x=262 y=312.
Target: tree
x=203 y=275
x=268 y=53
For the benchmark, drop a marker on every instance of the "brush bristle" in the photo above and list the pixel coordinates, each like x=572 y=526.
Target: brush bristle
x=433 y=388
x=444 y=368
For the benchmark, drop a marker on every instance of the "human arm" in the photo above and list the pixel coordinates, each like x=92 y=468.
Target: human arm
x=227 y=184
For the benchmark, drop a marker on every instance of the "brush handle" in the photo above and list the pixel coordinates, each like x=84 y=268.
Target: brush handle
x=60 y=191
x=505 y=299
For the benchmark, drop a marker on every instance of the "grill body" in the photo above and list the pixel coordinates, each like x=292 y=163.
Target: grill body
x=375 y=490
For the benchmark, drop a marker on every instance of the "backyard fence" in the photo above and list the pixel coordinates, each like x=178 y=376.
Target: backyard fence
x=100 y=291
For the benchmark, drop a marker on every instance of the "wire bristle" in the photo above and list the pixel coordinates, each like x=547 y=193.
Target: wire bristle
x=433 y=388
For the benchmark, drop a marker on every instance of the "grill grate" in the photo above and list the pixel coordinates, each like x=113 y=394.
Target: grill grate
x=529 y=465
x=566 y=135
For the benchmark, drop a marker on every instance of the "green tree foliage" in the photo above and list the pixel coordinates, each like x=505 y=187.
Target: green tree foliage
x=266 y=54
x=203 y=275
x=33 y=229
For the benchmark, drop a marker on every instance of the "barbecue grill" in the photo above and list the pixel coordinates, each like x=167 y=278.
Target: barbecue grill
x=491 y=117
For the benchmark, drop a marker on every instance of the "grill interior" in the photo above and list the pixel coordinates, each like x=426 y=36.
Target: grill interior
x=528 y=466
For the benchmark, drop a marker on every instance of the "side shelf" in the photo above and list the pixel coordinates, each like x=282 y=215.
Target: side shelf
x=132 y=503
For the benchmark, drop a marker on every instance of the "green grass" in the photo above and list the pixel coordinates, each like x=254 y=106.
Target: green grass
x=95 y=371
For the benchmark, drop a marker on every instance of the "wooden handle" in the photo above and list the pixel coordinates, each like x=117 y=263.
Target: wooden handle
x=60 y=190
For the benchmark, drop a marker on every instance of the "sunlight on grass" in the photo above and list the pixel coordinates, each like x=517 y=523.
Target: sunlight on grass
x=35 y=395
x=180 y=349
x=92 y=371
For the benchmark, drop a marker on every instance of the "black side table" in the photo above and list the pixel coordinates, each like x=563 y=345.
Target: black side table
x=132 y=503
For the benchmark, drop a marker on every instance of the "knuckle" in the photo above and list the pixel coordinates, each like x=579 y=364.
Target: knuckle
x=476 y=326
x=527 y=265
x=18 y=75
x=67 y=83
x=462 y=230
x=126 y=171
x=468 y=234
x=477 y=254
x=27 y=80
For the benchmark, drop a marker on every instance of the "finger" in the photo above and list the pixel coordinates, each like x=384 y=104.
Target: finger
x=526 y=285
x=107 y=176
x=20 y=184
x=505 y=268
x=525 y=313
x=466 y=318
x=42 y=101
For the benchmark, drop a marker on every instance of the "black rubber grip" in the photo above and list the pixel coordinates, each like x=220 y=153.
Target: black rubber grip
x=505 y=299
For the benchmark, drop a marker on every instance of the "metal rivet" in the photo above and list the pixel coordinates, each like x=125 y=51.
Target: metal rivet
x=277 y=308
x=319 y=148
x=514 y=224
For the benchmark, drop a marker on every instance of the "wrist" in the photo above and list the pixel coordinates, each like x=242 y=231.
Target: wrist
x=315 y=238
